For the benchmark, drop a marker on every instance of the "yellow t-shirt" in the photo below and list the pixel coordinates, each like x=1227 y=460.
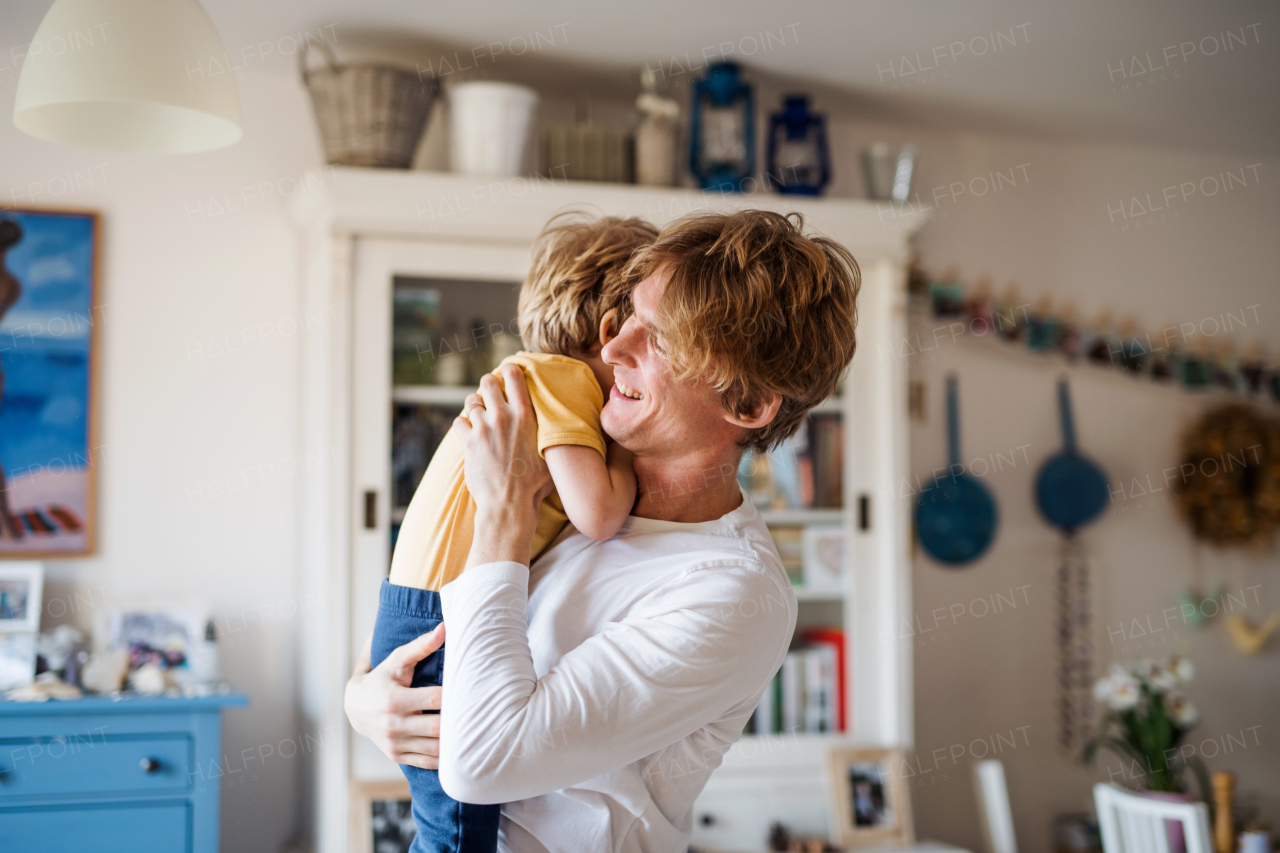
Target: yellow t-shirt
x=435 y=536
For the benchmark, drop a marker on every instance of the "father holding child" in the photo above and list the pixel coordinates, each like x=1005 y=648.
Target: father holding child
x=576 y=686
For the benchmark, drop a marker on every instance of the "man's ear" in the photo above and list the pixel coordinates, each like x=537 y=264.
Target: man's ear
x=761 y=414
x=609 y=327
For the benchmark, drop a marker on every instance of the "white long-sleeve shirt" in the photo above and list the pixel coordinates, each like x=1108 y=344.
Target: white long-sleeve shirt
x=594 y=695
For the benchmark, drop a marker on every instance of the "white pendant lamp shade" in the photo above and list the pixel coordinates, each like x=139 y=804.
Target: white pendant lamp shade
x=127 y=75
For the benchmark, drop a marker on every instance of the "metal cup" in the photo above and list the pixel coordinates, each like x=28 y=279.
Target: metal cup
x=888 y=174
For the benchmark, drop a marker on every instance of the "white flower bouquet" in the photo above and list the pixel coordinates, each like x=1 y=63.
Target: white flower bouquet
x=1146 y=718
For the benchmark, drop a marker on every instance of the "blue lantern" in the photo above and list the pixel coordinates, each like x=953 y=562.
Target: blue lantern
x=722 y=148
x=797 y=161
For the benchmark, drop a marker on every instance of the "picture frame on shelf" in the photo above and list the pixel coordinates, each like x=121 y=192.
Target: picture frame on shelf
x=174 y=635
x=381 y=821
x=870 y=800
x=21 y=597
x=17 y=660
x=823 y=546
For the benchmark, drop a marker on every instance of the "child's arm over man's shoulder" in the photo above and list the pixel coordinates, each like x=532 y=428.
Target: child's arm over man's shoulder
x=594 y=479
x=597 y=493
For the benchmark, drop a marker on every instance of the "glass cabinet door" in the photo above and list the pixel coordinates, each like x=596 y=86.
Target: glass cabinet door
x=445 y=334
x=430 y=319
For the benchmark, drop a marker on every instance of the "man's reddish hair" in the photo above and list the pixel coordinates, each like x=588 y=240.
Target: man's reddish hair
x=753 y=305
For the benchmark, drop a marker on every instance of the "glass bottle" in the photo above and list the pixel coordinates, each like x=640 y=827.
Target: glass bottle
x=657 y=134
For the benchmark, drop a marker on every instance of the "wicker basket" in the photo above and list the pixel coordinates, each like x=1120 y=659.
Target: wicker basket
x=369 y=114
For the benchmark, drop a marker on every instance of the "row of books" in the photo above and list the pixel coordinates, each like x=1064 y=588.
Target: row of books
x=809 y=693
x=804 y=472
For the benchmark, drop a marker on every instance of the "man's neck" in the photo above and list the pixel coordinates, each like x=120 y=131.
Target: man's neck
x=690 y=489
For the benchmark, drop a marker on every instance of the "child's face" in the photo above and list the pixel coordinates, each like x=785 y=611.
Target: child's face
x=603 y=371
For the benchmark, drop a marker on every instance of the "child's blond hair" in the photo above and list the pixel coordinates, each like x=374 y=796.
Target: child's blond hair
x=579 y=274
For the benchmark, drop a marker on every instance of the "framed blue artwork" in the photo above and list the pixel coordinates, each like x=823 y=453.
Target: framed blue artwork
x=49 y=316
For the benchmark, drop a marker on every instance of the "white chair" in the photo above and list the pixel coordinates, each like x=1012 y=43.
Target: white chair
x=1134 y=824
x=993 y=807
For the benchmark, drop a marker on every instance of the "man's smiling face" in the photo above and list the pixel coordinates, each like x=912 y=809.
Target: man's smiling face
x=648 y=411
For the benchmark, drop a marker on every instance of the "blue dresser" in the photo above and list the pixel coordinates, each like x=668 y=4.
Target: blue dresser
x=98 y=775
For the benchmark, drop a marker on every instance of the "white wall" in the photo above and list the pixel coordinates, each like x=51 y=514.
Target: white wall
x=197 y=490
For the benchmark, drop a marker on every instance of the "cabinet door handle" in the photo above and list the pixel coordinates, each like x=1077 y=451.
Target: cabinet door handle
x=371 y=510
x=149 y=765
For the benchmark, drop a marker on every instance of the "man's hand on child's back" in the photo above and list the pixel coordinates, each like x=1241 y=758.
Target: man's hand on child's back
x=505 y=474
x=383 y=707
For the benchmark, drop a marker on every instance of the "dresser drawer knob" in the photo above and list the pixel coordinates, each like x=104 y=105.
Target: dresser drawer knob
x=149 y=765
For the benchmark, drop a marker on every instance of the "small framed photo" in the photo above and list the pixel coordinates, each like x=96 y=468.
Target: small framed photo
x=164 y=633
x=381 y=817
x=17 y=660
x=870 y=802
x=21 y=592
x=823 y=546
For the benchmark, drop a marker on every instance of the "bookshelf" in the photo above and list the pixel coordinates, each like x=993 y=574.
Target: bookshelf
x=371 y=237
x=803 y=594
x=787 y=517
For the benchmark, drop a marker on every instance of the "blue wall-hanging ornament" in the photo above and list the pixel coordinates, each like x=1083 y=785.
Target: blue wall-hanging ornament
x=955 y=515
x=797 y=162
x=722 y=148
x=1071 y=491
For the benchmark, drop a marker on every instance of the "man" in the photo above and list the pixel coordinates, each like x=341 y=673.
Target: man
x=578 y=687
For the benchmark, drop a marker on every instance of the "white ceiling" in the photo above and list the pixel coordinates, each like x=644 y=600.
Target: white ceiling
x=1055 y=81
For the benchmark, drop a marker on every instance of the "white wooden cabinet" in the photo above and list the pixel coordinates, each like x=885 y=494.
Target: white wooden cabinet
x=364 y=230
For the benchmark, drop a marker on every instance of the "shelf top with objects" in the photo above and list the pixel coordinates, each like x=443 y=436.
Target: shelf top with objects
x=392 y=202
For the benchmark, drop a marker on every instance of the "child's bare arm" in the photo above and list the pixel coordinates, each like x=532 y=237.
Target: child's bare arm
x=597 y=495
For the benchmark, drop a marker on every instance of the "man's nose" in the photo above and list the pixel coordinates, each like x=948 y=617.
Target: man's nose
x=620 y=350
